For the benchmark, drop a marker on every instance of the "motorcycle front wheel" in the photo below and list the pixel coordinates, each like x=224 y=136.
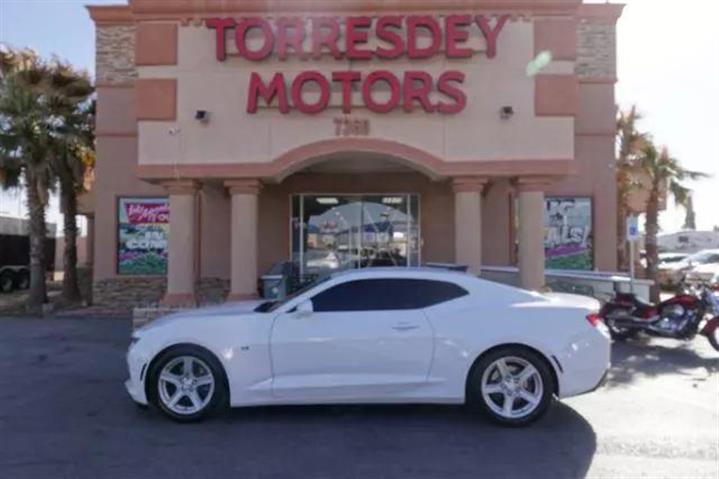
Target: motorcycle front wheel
x=713 y=338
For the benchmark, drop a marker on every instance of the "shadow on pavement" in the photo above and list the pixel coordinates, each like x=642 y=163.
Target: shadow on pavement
x=64 y=410
x=404 y=441
x=648 y=358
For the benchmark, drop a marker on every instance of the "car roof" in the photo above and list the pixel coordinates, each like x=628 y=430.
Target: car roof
x=412 y=271
x=708 y=250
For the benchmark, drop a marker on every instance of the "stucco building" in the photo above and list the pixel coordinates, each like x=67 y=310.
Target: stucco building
x=350 y=133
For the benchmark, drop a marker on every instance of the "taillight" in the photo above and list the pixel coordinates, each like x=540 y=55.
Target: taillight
x=594 y=319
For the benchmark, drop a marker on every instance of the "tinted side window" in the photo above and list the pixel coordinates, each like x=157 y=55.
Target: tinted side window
x=385 y=294
x=435 y=292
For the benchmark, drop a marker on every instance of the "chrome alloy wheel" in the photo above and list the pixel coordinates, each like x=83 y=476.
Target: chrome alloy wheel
x=512 y=387
x=186 y=385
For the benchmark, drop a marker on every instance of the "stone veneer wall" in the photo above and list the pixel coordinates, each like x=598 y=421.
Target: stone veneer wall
x=124 y=294
x=115 y=54
x=597 y=50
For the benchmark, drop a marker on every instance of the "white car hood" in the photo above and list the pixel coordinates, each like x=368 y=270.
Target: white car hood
x=239 y=308
x=706 y=269
x=672 y=267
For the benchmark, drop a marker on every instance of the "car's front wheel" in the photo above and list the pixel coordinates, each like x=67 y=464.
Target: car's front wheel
x=513 y=385
x=187 y=383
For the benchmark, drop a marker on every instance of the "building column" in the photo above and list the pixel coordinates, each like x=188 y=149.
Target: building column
x=243 y=238
x=181 y=258
x=531 y=233
x=468 y=221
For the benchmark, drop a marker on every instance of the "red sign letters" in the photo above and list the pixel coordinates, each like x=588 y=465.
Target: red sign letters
x=398 y=36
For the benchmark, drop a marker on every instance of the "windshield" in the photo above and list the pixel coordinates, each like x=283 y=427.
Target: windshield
x=274 y=305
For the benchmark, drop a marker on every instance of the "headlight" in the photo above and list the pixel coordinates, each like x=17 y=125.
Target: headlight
x=133 y=340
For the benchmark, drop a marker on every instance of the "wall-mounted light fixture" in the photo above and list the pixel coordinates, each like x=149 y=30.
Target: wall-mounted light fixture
x=203 y=116
x=506 y=112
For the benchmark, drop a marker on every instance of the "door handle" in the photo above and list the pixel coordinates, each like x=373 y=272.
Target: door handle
x=405 y=327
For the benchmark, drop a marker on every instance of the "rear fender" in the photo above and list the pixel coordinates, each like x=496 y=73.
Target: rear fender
x=710 y=326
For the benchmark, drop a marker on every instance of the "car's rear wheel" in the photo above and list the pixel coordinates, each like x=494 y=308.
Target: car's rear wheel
x=513 y=385
x=23 y=280
x=187 y=384
x=7 y=282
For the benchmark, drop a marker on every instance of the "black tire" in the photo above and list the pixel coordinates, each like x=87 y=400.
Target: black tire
x=7 y=282
x=218 y=394
x=22 y=281
x=476 y=397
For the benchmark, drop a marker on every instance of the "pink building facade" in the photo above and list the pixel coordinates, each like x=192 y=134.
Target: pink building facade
x=236 y=134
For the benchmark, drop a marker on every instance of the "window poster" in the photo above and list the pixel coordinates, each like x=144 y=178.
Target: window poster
x=143 y=232
x=568 y=233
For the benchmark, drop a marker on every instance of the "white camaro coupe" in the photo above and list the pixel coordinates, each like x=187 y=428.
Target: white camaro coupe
x=378 y=335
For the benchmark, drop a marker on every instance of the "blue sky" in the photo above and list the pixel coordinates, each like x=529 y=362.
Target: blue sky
x=668 y=66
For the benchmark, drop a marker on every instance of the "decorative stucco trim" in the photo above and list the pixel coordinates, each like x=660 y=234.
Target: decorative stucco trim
x=556 y=95
x=304 y=156
x=156 y=44
x=249 y=186
x=110 y=14
x=556 y=36
x=181 y=187
x=188 y=8
x=156 y=99
x=600 y=12
x=525 y=184
x=469 y=184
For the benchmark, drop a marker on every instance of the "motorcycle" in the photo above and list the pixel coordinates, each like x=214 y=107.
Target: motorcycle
x=693 y=311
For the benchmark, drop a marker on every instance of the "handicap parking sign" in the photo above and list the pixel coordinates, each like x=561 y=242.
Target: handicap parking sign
x=632 y=228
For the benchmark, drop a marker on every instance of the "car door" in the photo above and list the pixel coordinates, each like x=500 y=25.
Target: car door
x=365 y=338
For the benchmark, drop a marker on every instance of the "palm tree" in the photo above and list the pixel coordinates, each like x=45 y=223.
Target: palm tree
x=72 y=154
x=46 y=135
x=25 y=139
x=690 y=220
x=629 y=143
x=665 y=174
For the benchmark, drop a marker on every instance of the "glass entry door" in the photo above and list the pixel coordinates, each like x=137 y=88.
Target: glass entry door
x=337 y=232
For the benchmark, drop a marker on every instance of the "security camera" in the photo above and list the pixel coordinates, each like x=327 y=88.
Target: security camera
x=506 y=112
x=202 y=116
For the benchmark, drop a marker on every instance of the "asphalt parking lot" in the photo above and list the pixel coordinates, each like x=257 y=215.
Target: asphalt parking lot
x=64 y=414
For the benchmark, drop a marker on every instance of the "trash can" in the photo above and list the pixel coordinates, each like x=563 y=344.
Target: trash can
x=274 y=284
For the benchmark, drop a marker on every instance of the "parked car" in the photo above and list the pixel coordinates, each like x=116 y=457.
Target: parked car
x=669 y=258
x=672 y=274
x=664 y=258
x=377 y=335
x=703 y=274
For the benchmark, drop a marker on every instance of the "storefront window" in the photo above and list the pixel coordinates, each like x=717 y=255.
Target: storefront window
x=568 y=242
x=143 y=230
x=337 y=232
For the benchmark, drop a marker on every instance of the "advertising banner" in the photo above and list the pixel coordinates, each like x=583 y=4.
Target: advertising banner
x=143 y=232
x=568 y=233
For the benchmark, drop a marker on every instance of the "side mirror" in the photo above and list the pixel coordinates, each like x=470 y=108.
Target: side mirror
x=304 y=309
